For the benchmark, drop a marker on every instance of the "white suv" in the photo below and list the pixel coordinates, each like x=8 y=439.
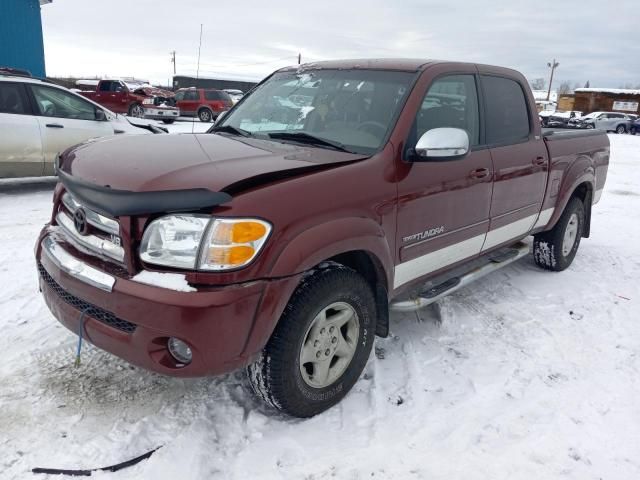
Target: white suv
x=39 y=119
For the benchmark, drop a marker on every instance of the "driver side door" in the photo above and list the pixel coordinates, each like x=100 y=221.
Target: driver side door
x=65 y=120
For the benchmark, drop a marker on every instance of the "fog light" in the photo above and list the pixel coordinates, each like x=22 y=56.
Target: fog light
x=179 y=350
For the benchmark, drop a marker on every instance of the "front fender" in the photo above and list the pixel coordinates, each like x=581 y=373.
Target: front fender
x=326 y=240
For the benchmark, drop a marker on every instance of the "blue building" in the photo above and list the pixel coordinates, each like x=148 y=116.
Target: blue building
x=21 y=44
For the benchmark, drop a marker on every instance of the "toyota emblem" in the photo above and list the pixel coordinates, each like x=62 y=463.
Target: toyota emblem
x=80 y=221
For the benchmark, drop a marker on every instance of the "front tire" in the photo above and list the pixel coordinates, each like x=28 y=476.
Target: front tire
x=136 y=110
x=320 y=345
x=168 y=122
x=205 y=115
x=555 y=250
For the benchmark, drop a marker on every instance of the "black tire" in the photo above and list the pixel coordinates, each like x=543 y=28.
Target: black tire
x=168 y=122
x=621 y=129
x=205 y=115
x=136 y=110
x=276 y=376
x=548 y=251
x=633 y=131
x=590 y=126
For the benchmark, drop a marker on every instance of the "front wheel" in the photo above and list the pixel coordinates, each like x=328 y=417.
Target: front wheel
x=205 y=115
x=320 y=345
x=556 y=249
x=168 y=122
x=136 y=110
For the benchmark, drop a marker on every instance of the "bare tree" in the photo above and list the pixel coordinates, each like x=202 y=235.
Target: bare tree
x=586 y=85
x=565 y=88
x=538 y=83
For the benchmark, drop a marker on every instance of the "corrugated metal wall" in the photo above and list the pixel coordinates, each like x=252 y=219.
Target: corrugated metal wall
x=21 y=36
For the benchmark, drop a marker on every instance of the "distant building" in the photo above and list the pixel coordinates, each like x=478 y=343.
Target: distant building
x=21 y=44
x=182 y=81
x=541 y=95
x=566 y=102
x=607 y=100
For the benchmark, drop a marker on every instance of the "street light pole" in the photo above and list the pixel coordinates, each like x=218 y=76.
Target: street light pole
x=553 y=65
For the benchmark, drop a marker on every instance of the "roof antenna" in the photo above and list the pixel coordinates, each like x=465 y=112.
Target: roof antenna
x=193 y=124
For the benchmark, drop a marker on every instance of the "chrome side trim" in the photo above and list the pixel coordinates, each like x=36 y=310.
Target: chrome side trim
x=99 y=221
x=91 y=242
x=75 y=267
x=509 y=232
x=411 y=269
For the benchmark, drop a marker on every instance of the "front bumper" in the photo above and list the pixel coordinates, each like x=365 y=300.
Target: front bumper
x=161 y=113
x=224 y=326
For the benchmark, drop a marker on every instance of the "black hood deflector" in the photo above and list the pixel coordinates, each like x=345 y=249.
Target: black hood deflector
x=117 y=203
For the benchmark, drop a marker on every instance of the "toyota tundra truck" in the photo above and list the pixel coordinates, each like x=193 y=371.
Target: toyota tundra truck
x=280 y=243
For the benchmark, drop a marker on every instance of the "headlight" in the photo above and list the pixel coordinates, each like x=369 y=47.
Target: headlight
x=203 y=243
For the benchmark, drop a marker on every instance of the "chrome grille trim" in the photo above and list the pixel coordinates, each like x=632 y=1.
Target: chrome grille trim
x=90 y=242
x=101 y=222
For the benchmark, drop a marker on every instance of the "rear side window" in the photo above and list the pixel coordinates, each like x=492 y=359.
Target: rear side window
x=212 y=95
x=507 y=117
x=105 y=86
x=191 y=95
x=12 y=99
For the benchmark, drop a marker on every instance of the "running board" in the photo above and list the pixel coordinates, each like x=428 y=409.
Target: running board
x=494 y=261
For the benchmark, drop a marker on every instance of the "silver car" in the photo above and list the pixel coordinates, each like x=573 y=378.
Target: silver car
x=39 y=119
x=608 y=121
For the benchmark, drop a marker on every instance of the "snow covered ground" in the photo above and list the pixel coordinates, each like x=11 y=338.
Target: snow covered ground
x=524 y=375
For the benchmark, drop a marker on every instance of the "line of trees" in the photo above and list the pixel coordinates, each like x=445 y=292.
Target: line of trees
x=566 y=86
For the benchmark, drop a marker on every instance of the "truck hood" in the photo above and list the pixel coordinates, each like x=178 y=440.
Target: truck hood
x=146 y=163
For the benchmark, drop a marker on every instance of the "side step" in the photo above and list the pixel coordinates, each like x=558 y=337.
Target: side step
x=492 y=262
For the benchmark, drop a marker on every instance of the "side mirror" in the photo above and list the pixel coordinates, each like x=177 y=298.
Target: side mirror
x=100 y=115
x=442 y=144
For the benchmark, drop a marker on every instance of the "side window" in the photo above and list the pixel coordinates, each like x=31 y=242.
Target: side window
x=12 y=99
x=451 y=101
x=192 y=95
x=506 y=108
x=52 y=102
x=179 y=96
x=212 y=95
x=105 y=86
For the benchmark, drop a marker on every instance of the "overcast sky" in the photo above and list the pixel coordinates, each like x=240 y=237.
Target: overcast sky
x=595 y=41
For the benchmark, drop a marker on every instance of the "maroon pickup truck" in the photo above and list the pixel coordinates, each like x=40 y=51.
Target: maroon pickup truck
x=332 y=194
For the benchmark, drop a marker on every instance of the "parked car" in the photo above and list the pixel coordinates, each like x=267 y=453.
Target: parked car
x=38 y=120
x=206 y=104
x=235 y=95
x=283 y=247
x=634 y=128
x=608 y=121
x=135 y=100
x=562 y=119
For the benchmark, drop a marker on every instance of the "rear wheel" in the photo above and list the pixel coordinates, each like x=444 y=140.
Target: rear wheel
x=205 y=115
x=168 y=122
x=136 y=110
x=320 y=345
x=621 y=129
x=633 y=130
x=556 y=249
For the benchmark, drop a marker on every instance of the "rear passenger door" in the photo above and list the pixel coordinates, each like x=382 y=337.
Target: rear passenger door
x=20 y=142
x=520 y=160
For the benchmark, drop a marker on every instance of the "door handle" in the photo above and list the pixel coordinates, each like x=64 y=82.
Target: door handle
x=539 y=161
x=54 y=125
x=479 y=173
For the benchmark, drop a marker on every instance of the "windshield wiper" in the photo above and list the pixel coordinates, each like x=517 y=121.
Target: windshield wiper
x=303 y=137
x=231 y=129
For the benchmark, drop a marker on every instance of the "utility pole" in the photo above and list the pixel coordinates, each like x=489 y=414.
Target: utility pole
x=173 y=60
x=299 y=58
x=553 y=65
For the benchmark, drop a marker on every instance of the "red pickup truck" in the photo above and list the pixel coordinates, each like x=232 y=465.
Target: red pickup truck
x=135 y=100
x=280 y=242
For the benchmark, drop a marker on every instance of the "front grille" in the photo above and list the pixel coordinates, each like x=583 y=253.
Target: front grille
x=98 y=313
